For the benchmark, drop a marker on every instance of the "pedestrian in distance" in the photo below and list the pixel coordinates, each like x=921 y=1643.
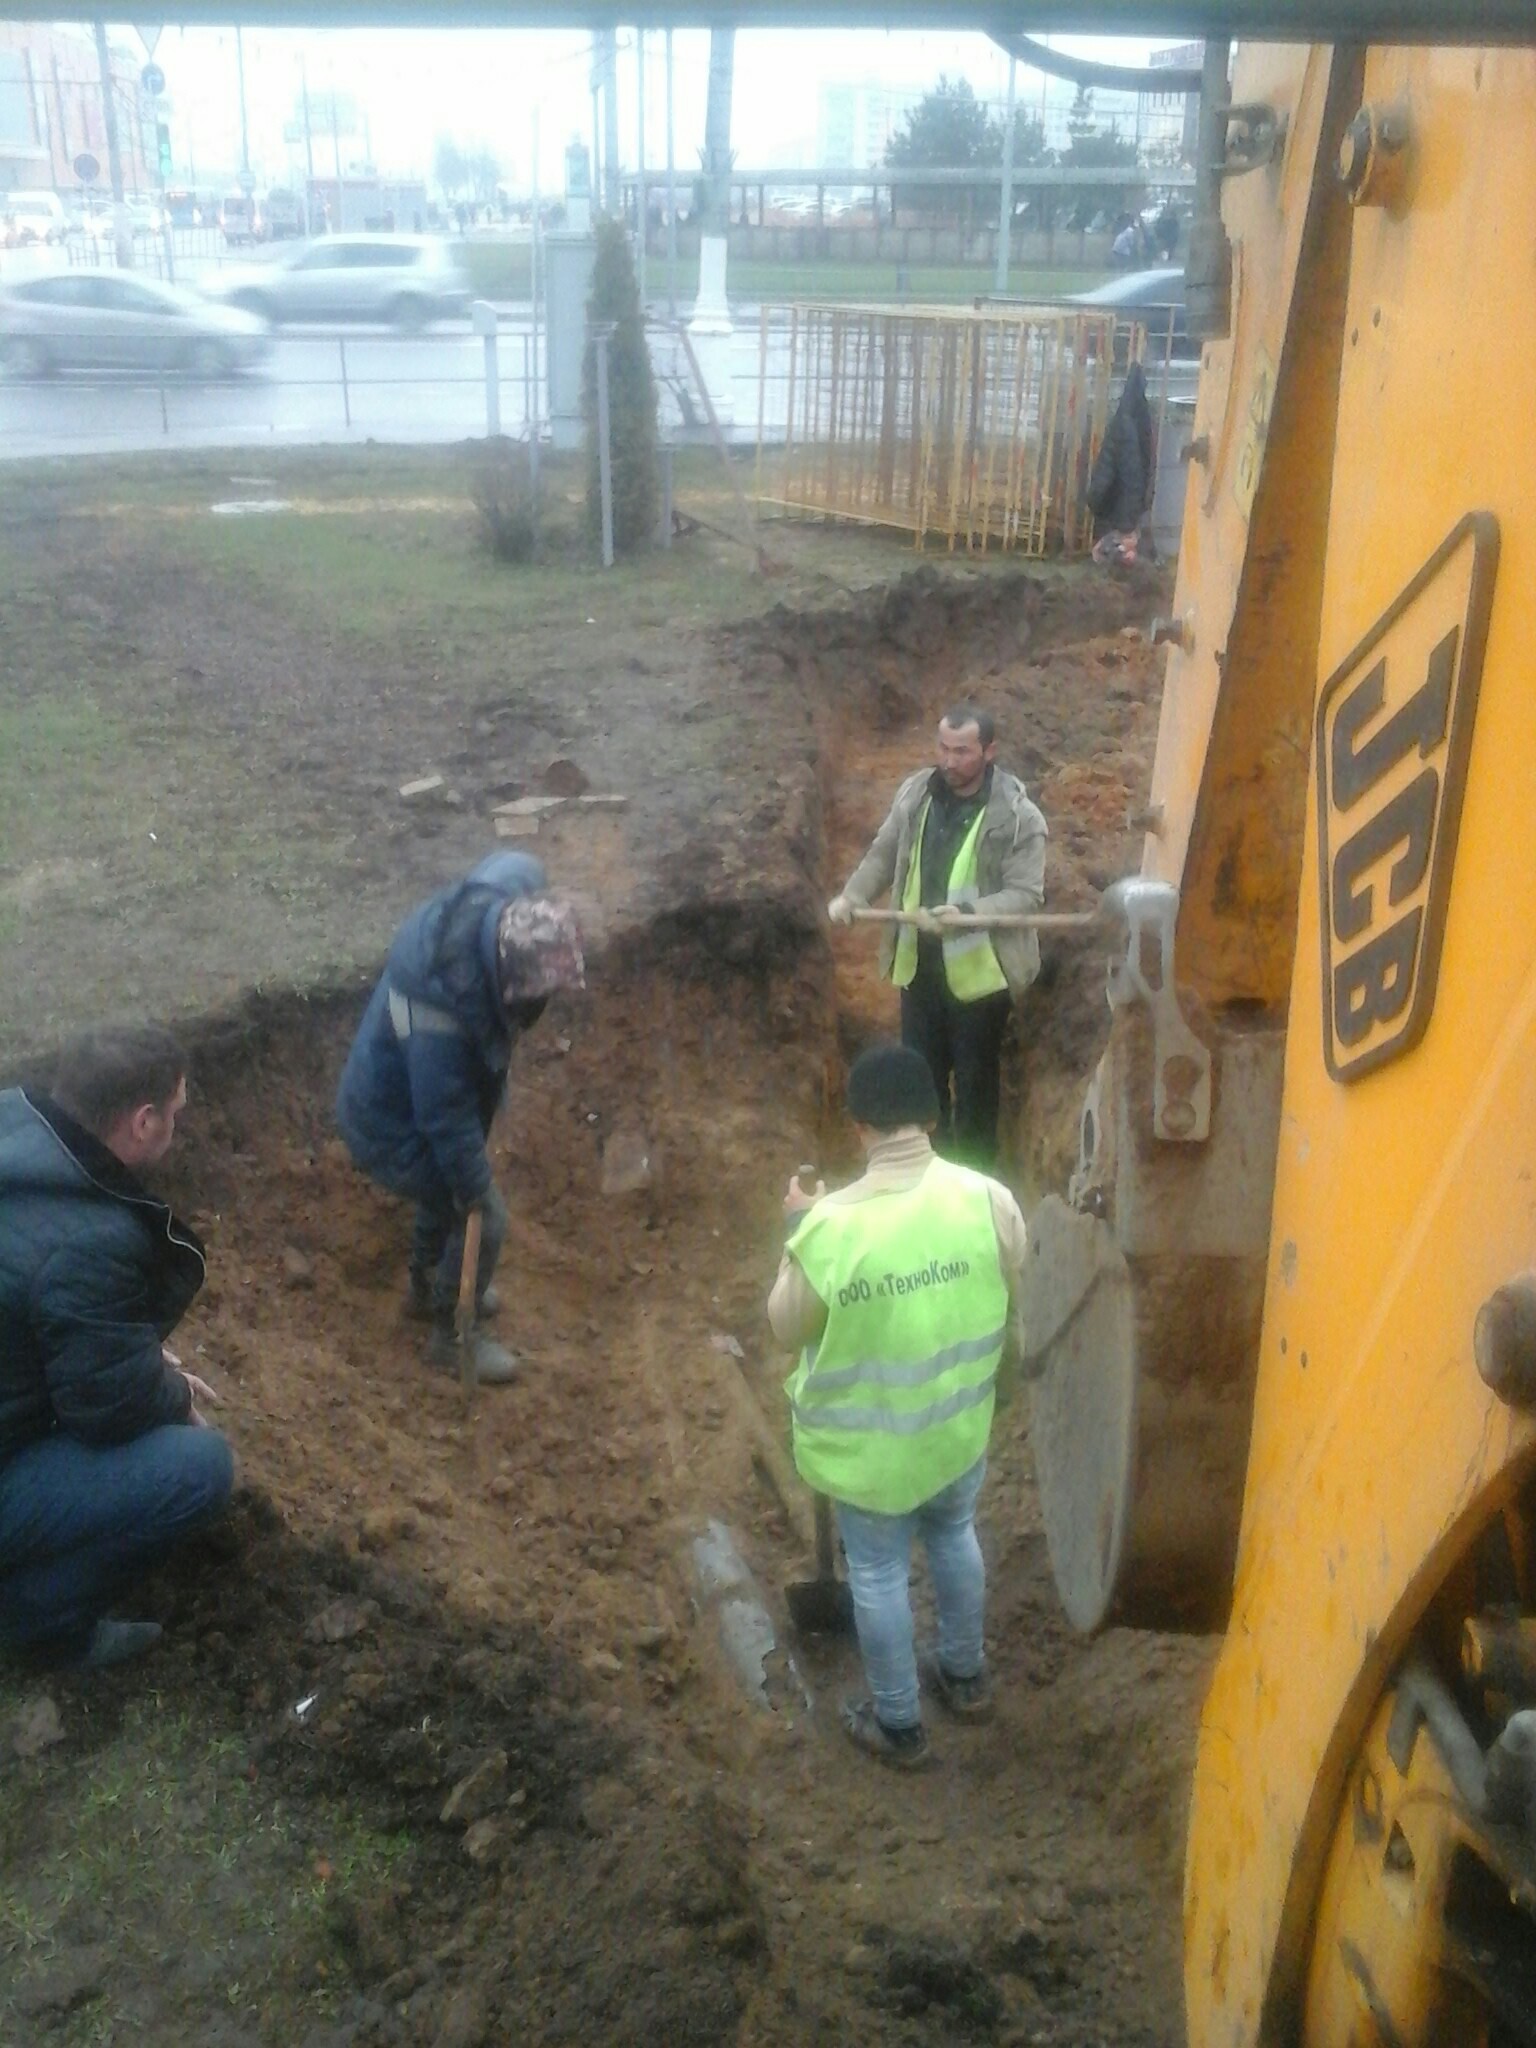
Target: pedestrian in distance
x=106 y=1456
x=469 y=972
x=963 y=838
x=900 y=1292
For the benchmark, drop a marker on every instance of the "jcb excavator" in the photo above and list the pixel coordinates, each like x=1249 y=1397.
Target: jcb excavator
x=1288 y=1309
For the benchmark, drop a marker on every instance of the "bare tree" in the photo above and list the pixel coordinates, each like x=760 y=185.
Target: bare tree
x=449 y=166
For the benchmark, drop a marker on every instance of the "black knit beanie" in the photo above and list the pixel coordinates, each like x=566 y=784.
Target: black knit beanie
x=890 y=1085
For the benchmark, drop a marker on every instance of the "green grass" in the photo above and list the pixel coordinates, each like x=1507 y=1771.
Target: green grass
x=204 y=722
x=212 y=1893
x=926 y=283
x=501 y=270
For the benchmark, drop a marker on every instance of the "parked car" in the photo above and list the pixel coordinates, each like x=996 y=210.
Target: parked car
x=86 y=218
x=406 y=280
x=145 y=217
x=285 y=215
x=27 y=217
x=1148 y=296
x=105 y=320
x=242 y=220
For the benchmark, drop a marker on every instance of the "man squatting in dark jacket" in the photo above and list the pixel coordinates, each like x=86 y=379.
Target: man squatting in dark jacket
x=470 y=970
x=105 y=1458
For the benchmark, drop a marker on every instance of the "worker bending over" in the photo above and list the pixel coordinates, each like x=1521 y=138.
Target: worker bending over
x=106 y=1459
x=899 y=1292
x=470 y=970
x=964 y=837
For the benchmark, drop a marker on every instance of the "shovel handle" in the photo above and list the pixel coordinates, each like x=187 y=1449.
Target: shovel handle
x=469 y=1273
x=1004 y=921
x=826 y=1549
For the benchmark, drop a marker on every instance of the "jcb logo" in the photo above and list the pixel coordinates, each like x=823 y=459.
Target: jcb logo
x=1394 y=731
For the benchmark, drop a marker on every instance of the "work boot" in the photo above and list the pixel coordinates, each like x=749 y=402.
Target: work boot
x=904 y=1749
x=968 y=1699
x=494 y=1364
x=421 y=1303
x=115 y=1642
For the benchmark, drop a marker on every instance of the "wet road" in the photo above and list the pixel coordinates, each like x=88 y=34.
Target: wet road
x=350 y=384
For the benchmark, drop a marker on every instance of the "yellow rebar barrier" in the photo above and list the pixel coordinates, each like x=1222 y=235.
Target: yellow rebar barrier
x=973 y=427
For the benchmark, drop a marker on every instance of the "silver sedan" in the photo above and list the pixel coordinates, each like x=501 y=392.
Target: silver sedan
x=103 y=320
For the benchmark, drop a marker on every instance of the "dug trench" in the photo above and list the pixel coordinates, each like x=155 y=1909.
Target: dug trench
x=457 y=1758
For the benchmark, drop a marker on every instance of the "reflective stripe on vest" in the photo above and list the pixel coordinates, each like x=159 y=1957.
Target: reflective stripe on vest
x=971 y=966
x=894 y=1402
x=407 y=1016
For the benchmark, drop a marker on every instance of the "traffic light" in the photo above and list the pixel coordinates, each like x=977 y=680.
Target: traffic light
x=163 y=137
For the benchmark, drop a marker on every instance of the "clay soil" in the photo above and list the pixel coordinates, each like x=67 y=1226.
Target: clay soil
x=509 y=1589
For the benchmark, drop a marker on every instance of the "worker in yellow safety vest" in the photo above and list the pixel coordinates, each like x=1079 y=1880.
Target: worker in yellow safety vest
x=899 y=1292
x=963 y=838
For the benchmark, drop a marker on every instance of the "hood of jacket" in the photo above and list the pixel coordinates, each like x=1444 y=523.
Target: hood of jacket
x=445 y=952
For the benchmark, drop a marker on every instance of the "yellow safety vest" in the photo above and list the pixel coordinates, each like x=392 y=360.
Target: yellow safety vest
x=894 y=1402
x=971 y=966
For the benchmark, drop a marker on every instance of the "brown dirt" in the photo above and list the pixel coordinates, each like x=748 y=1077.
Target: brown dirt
x=679 y=1866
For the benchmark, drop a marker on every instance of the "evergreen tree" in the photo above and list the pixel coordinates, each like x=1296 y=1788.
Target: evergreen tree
x=1093 y=147
x=615 y=304
x=949 y=129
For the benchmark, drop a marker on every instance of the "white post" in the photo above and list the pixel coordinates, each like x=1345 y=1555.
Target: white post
x=671 y=196
x=710 y=327
x=1005 y=213
x=535 y=281
x=640 y=164
x=482 y=317
x=604 y=451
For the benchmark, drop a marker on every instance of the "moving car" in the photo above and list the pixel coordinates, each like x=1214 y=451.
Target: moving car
x=1148 y=296
x=27 y=217
x=406 y=280
x=105 y=320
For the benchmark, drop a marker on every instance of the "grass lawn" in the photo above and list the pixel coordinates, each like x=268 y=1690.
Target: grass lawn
x=153 y=1851
x=205 y=721
x=501 y=270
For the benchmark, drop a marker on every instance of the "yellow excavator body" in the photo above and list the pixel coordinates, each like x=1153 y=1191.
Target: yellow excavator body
x=1405 y=1178
x=1344 y=821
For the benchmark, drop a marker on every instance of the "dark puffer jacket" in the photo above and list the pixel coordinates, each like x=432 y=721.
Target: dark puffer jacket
x=415 y=1110
x=1120 y=488
x=94 y=1274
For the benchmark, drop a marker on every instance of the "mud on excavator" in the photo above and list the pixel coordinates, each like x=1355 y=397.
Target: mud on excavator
x=1287 y=1310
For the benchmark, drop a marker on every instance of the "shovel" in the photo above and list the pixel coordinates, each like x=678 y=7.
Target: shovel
x=822 y=1606
x=464 y=1314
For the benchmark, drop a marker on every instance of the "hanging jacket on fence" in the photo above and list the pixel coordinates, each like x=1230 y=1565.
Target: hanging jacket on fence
x=1120 y=486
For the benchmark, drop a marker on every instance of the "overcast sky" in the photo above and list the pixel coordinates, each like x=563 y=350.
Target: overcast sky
x=484 y=85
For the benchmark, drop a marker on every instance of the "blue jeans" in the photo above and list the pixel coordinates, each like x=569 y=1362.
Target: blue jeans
x=879 y=1553
x=77 y=1519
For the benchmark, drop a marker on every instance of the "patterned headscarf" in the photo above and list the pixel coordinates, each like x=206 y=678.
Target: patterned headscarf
x=538 y=949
